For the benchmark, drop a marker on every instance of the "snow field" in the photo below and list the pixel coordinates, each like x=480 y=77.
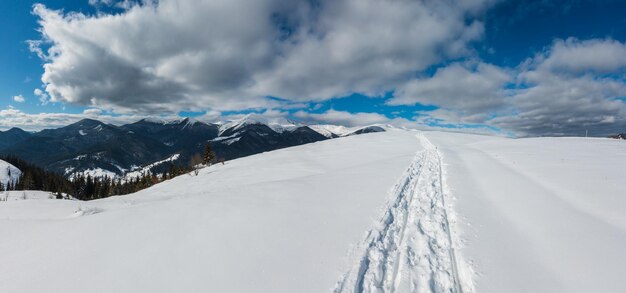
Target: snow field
x=539 y=214
x=382 y=212
x=282 y=221
x=411 y=249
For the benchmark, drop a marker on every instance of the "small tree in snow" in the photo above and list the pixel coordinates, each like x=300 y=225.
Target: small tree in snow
x=208 y=156
x=196 y=162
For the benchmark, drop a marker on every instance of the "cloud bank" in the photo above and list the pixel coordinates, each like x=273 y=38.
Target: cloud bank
x=569 y=88
x=162 y=57
x=231 y=54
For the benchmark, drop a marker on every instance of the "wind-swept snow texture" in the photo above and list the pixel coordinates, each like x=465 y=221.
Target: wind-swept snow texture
x=445 y=212
x=539 y=214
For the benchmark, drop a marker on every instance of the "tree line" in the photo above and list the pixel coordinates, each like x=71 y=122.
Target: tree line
x=87 y=187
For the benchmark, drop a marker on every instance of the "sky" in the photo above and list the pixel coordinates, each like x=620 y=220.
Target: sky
x=514 y=68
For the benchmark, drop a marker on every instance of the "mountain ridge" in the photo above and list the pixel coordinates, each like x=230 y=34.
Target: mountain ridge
x=96 y=148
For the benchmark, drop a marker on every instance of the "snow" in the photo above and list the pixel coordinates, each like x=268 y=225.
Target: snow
x=127 y=175
x=281 y=221
x=189 y=122
x=539 y=214
x=411 y=250
x=221 y=138
x=5 y=170
x=82 y=132
x=141 y=171
x=231 y=141
x=331 y=131
x=80 y=157
x=402 y=211
x=93 y=173
x=16 y=195
x=279 y=125
x=159 y=121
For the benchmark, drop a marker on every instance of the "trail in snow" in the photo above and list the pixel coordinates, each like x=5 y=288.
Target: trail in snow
x=412 y=249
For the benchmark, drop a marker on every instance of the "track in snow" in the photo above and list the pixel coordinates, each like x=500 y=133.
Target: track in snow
x=411 y=250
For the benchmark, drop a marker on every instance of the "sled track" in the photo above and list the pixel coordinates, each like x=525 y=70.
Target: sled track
x=411 y=249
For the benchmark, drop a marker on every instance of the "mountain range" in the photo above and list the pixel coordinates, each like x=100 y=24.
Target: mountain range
x=96 y=148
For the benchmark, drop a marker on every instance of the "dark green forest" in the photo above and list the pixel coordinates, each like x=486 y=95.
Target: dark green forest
x=88 y=188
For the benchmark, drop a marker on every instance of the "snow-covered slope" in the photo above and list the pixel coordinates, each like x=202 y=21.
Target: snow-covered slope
x=540 y=214
x=8 y=173
x=279 y=125
x=282 y=221
x=14 y=195
x=400 y=211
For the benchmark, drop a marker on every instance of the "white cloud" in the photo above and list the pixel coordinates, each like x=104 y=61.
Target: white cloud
x=19 y=99
x=571 y=87
x=424 y=122
x=368 y=46
x=212 y=55
x=343 y=118
x=573 y=56
x=230 y=54
x=44 y=99
x=556 y=105
x=92 y=112
x=12 y=117
x=568 y=88
x=466 y=87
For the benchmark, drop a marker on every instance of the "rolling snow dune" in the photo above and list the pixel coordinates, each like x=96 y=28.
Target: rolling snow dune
x=398 y=211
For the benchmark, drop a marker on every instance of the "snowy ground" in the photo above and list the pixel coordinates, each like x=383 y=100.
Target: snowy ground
x=282 y=221
x=540 y=214
x=397 y=211
x=25 y=195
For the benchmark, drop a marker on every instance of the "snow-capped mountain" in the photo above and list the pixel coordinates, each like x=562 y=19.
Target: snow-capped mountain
x=279 y=125
x=90 y=147
x=334 y=131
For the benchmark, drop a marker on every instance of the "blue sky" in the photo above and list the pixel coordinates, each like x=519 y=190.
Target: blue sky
x=21 y=69
x=502 y=54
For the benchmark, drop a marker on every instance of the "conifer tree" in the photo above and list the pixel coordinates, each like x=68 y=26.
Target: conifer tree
x=208 y=156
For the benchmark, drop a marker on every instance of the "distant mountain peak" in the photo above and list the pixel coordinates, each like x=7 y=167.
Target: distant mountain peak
x=184 y=121
x=87 y=123
x=151 y=120
x=332 y=131
x=278 y=124
x=15 y=130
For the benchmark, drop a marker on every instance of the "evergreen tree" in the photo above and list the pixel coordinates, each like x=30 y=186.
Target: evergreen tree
x=208 y=156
